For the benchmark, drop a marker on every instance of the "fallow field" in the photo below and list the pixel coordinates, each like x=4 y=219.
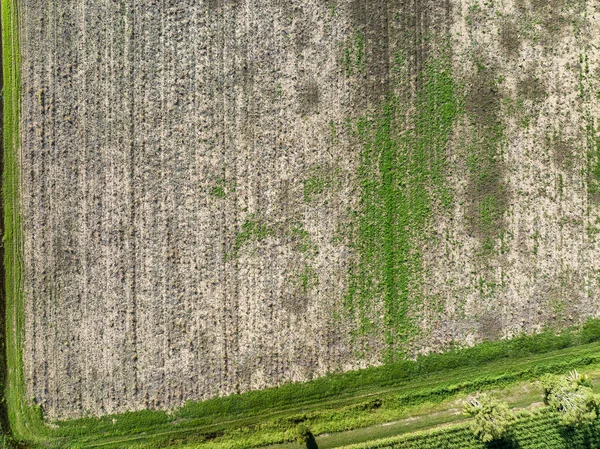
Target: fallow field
x=208 y=197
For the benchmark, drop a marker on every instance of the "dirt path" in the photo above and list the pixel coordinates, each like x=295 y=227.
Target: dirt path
x=522 y=396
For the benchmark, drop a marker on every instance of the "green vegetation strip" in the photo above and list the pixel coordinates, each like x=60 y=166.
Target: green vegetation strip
x=24 y=420
x=520 y=396
x=402 y=178
x=334 y=403
x=366 y=409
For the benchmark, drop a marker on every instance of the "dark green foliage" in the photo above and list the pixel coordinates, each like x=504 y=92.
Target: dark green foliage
x=305 y=437
x=590 y=332
x=303 y=434
x=531 y=430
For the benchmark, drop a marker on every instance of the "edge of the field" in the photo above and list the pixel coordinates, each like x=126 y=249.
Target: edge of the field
x=24 y=423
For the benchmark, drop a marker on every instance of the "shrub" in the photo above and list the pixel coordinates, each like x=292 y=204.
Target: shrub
x=572 y=397
x=590 y=331
x=491 y=419
x=303 y=434
x=582 y=380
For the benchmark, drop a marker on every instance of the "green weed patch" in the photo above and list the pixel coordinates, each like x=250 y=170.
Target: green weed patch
x=401 y=178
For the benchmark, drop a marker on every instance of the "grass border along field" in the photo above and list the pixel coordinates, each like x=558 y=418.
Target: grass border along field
x=14 y=391
x=332 y=403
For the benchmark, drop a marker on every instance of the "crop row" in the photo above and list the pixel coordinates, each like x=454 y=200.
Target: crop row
x=533 y=430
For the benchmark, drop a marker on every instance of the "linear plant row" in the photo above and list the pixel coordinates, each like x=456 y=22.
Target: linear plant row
x=539 y=429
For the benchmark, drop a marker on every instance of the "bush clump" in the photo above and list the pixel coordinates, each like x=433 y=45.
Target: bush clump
x=572 y=397
x=303 y=434
x=491 y=419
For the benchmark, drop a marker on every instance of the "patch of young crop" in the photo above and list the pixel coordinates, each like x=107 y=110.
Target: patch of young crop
x=401 y=179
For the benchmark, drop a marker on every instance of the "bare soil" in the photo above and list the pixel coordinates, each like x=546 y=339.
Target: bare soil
x=190 y=169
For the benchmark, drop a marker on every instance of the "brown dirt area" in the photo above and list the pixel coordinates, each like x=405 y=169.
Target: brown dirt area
x=187 y=167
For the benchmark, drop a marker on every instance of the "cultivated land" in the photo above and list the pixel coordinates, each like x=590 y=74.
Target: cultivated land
x=203 y=198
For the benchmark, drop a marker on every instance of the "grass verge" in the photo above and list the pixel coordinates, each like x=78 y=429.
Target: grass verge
x=14 y=391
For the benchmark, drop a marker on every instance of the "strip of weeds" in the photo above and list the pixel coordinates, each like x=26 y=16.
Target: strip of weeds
x=5 y=432
x=402 y=181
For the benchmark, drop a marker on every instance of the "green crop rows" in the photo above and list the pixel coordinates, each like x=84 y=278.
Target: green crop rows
x=533 y=430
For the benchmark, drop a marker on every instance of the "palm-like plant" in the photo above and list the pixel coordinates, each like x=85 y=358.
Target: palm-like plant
x=491 y=418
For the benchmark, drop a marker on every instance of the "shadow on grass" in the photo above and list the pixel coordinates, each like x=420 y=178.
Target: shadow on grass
x=311 y=443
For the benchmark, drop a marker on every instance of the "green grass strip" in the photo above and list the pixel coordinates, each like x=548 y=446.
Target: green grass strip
x=339 y=416
x=25 y=420
x=13 y=238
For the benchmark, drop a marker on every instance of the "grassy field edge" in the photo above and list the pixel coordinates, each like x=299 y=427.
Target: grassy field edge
x=22 y=417
x=154 y=429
